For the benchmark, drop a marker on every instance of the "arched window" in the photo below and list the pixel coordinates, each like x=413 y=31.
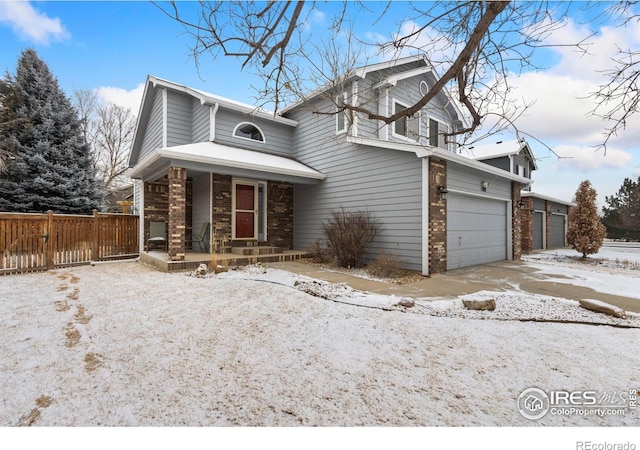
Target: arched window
x=247 y=130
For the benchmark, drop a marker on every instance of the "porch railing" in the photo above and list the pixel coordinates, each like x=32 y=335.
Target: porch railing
x=36 y=242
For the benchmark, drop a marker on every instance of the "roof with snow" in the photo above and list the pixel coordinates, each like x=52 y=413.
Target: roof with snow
x=212 y=157
x=498 y=150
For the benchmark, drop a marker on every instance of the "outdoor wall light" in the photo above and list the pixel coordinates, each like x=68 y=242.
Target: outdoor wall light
x=443 y=192
x=484 y=186
x=521 y=204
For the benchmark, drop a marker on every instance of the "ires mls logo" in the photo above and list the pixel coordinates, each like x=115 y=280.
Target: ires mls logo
x=534 y=403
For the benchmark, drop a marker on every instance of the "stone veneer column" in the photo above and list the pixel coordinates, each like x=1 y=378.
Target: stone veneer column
x=526 y=226
x=547 y=237
x=280 y=214
x=516 y=221
x=177 y=213
x=437 y=217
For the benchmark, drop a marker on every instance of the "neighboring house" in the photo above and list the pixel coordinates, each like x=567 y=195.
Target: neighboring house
x=544 y=222
x=119 y=200
x=259 y=177
x=543 y=219
x=513 y=156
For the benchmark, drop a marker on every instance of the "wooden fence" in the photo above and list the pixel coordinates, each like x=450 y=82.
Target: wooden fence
x=35 y=242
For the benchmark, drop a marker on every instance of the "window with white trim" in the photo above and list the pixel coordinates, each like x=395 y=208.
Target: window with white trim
x=437 y=130
x=520 y=170
x=342 y=121
x=407 y=127
x=248 y=130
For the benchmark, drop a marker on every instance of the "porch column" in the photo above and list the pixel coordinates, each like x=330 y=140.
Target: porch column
x=177 y=213
x=437 y=217
x=516 y=221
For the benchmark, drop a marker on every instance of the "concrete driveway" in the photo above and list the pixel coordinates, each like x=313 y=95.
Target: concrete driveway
x=499 y=276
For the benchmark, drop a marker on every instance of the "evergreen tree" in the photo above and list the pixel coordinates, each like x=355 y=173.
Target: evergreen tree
x=586 y=233
x=622 y=213
x=51 y=168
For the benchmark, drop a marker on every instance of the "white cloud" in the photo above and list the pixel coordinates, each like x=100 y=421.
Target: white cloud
x=128 y=99
x=586 y=159
x=31 y=24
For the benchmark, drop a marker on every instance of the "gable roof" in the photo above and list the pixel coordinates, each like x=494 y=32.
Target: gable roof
x=498 y=150
x=416 y=65
x=146 y=105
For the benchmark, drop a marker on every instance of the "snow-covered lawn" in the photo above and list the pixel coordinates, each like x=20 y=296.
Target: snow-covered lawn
x=122 y=344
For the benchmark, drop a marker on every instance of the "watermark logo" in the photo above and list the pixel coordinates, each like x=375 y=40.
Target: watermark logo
x=534 y=403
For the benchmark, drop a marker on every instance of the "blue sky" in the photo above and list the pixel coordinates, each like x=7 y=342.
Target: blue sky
x=113 y=46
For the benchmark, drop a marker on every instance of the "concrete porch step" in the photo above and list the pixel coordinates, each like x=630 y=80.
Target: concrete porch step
x=158 y=260
x=255 y=251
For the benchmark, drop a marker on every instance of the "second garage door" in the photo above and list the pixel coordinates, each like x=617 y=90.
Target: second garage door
x=476 y=231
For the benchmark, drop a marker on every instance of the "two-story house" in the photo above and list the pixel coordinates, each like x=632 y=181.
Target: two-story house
x=260 y=178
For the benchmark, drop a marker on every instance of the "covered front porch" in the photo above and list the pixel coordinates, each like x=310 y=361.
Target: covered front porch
x=214 y=202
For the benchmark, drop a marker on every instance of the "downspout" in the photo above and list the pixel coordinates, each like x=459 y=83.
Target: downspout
x=213 y=110
x=165 y=120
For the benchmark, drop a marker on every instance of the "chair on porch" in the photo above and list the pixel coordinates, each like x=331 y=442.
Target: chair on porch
x=157 y=235
x=202 y=237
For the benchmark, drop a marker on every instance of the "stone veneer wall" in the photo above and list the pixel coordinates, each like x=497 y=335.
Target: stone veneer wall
x=177 y=213
x=516 y=221
x=437 y=217
x=221 y=207
x=280 y=214
x=526 y=226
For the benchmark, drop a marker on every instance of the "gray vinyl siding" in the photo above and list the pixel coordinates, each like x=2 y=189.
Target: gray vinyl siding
x=200 y=124
x=278 y=136
x=461 y=178
x=153 y=132
x=386 y=183
x=523 y=161
x=178 y=119
x=539 y=204
x=503 y=163
x=558 y=208
x=407 y=92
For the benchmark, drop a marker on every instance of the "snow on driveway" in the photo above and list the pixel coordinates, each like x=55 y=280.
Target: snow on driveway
x=122 y=344
x=603 y=272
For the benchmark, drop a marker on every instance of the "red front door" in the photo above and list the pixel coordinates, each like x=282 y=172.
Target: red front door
x=245 y=211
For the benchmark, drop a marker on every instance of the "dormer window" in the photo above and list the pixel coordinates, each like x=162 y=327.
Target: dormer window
x=247 y=130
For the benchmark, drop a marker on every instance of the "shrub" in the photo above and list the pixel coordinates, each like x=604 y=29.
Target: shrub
x=349 y=234
x=386 y=265
x=318 y=253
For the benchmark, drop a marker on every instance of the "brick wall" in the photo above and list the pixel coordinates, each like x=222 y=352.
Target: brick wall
x=280 y=214
x=548 y=224
x=221 y=207
x=437 y=217
x=526 y=226
x=516 y=221
x=177 y=179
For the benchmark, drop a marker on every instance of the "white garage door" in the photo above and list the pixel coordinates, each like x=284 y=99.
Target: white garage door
x=476 y=231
